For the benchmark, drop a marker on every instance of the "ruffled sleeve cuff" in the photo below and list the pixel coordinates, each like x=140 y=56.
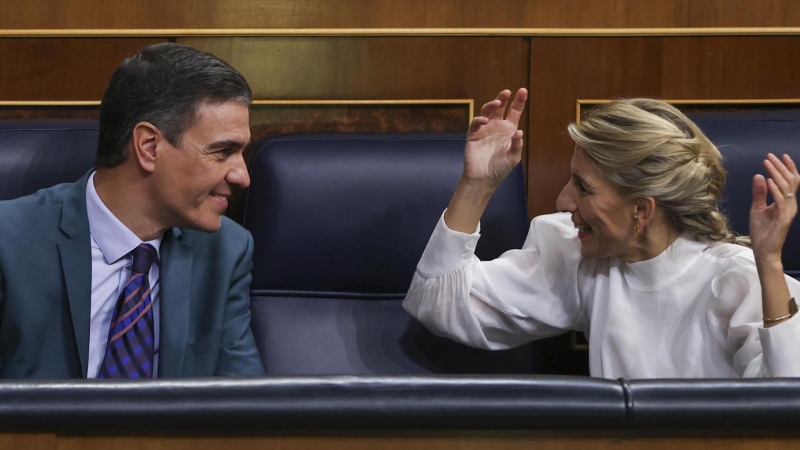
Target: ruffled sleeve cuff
x=447 y=250
x=781 y=345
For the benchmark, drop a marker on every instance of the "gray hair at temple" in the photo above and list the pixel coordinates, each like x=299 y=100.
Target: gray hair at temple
x=163 y=84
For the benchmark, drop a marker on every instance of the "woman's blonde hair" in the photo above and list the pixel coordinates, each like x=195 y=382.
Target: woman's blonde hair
x=647 y=148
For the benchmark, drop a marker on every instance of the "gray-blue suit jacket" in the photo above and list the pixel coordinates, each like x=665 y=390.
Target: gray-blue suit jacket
x=46 y=281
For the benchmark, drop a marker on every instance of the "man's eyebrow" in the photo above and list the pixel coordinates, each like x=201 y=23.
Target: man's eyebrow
x=227 y=144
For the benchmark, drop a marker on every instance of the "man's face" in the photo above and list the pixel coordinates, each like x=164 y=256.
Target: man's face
x=194 y=180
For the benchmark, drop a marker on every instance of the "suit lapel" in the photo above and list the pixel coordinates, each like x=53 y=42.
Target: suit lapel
x=76 y=264
x=176 y=280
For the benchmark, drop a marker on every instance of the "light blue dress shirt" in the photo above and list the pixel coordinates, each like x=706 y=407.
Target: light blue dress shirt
x=112 y=242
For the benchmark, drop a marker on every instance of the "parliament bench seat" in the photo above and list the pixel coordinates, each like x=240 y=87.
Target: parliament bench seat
x=339 y=222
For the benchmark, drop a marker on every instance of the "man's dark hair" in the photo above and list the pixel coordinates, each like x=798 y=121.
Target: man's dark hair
x=163 y=84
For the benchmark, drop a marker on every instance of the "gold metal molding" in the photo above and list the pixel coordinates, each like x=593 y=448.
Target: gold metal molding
x=287 y=32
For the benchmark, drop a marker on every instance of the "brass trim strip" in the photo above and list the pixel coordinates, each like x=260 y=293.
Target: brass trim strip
x=513 y=32
x=50 y=103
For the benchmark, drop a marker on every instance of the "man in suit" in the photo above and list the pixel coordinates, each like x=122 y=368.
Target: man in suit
x=132 y=271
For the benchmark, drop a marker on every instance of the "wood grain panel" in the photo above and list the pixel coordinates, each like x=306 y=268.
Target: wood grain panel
x=49 y=112
x=761 y=67
x=565 y=69
x=61 y=69
x=463 y=440
x=709 y=67
x=373 y=68
x=693 y=67
x=28 y=441
x=154 y=14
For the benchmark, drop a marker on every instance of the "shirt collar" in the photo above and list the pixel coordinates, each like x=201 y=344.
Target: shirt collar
x=112 y=236
x=653 y=274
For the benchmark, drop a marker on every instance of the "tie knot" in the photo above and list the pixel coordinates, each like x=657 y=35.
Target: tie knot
x=143 y=257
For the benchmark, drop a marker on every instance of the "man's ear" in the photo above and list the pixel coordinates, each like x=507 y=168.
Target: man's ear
x=645 y=210
x=144 y=143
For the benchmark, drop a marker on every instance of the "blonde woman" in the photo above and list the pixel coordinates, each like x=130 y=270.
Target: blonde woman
x=639 y=259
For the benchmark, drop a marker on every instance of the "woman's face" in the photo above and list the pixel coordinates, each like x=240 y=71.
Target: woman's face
x=603 y=218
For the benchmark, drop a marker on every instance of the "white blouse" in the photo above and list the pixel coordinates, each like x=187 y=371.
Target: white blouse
x=692 y=311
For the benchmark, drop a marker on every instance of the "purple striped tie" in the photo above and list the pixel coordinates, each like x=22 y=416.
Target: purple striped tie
x=129 y=352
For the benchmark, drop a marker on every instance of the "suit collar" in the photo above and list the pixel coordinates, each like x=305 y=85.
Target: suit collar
x=76 y=264
x=175 y=293
x=74 y=219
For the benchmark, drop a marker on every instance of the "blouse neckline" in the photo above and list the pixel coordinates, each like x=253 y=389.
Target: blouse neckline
x=656 y=273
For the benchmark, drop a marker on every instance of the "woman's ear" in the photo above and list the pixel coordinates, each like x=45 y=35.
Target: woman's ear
x=645 y=211
x=144 y=145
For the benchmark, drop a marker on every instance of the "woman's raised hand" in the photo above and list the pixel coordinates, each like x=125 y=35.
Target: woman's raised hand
x=769 y=224
x=494 y=142
x=494 y=147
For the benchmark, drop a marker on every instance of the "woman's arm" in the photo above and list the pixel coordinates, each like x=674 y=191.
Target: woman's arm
x=769 y=225
x=494 y=148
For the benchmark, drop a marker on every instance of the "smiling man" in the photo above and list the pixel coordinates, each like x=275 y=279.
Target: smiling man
x=133 y=271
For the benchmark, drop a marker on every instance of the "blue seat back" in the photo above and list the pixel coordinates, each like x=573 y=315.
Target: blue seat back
x=36 y=154
x=744 y=138
x=340 y=222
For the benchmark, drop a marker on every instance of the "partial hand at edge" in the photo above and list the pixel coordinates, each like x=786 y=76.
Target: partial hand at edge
x=769 y=225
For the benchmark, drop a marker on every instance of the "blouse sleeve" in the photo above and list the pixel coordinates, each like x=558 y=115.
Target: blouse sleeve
x=525 y=294
x=758 y=351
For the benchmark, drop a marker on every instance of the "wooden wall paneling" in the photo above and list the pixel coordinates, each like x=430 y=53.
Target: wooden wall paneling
x=745 y=13
x=761 y=67
x=19 y=112
x=374 y=68
x=28 y=441
x=732 y=67
x=61 y=68
x=154 y=14
x=268 y=120
x=564 y=70
x=693 y=68
x=454 y=439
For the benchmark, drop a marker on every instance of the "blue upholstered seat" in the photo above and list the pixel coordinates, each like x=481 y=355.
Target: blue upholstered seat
x=744 y=138
x=339 y=223
x=36 y=154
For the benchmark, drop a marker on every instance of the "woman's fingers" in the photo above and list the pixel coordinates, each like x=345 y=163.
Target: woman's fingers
x=517 y=106
x=780 y=175
x=477 y=123
x=503 y=96
x=759 y=192
x=488 y=109
x=516 y=143
x=778 y=197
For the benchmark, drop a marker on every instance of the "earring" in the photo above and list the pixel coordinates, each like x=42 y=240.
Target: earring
x=635 y=228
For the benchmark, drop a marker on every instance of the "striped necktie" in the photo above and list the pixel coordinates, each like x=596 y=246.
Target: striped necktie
x=129 y=352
